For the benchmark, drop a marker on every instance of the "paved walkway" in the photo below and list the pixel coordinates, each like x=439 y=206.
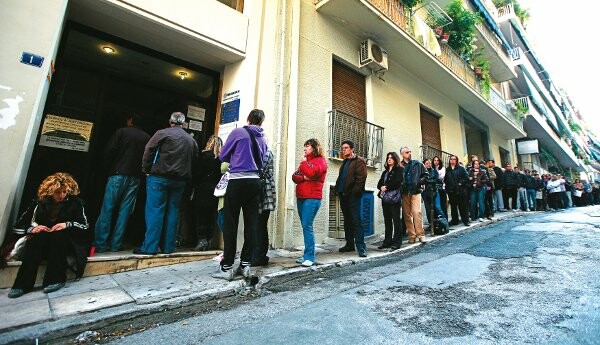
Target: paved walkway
x=98 y=299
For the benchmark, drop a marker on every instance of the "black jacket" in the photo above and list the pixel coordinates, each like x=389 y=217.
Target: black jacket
x=170 y=153
x=124 y=150
x=510 y=179
x=456 y=179
x=478 y=179
x=207 y=173
x=530 y=182
x=73 y=214
x=498 y=182
x=415 y=176
x=394 y=180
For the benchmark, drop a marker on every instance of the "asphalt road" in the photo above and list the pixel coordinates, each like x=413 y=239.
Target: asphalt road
x=533 y=279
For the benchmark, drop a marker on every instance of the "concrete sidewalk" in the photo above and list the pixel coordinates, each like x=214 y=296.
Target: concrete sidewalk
x=93 y=301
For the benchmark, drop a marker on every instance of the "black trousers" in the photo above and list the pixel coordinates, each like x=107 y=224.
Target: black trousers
x=52 y=246
x=458 y=204
x=509 y=192
x=489 y=203
x=393 y=224
x=262 y=238
x=353 y=231
x=242 y=194
x=205 y=216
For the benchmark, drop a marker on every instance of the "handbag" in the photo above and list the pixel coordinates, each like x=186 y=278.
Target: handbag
x=392 y=196
x=221 y=187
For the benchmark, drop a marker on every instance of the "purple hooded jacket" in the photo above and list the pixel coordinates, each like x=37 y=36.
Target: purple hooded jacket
x=237 y=150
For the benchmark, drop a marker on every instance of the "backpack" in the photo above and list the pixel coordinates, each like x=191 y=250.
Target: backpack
x=440 y=226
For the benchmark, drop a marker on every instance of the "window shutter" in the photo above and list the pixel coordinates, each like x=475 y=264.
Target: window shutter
x=430 y=130
x=349 y=91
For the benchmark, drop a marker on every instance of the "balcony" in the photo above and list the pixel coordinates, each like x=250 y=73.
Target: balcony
x=388 y=23
x=428 y=152
x=367 y=137
x=538 y=127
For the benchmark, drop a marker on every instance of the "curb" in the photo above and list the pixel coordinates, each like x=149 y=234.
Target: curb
x=77 y=323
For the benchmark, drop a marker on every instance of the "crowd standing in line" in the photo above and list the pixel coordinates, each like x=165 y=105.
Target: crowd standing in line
x=56 y=220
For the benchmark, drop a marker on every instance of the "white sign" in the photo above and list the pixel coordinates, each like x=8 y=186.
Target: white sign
x=225 y=130
x=66 y=133
x=195 y=125
x=526 y=147
x=196 y=113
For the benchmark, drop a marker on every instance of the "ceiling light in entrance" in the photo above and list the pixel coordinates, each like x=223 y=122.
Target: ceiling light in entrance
x=182 y=75
x=108 y=49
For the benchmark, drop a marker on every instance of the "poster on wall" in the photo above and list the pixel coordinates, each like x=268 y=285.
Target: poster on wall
x=230 y=107
x=195 y=125
x=526 y=147
x=65 y=133
x=196 y=113
x=225 y=130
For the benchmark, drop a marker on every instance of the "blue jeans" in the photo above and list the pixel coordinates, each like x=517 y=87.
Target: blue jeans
x=162 y=212
x=437 y=206
x=307 y=210
x=120 y=194
x=477 y=198
x=531 y=199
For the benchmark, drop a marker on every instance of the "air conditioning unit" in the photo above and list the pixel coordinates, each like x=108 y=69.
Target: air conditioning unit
x=373 y=56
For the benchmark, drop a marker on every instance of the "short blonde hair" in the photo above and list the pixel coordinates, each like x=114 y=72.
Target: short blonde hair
x=56 y=181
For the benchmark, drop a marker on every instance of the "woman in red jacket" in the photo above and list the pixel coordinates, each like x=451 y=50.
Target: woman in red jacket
x=309 y=180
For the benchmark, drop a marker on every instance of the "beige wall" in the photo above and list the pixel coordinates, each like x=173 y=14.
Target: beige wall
x=26 y=26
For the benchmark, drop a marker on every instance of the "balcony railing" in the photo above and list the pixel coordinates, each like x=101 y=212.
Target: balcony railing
x=523 y=101
x=428 y=152
x=367 y=137
x=396 y=12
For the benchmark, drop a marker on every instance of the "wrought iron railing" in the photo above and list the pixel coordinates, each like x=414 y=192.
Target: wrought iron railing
x=367 y=137
x=428 y=152
x=523 y=101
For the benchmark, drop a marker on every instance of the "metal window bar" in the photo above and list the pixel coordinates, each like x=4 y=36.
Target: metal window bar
x=428 y=152
x=367 y=137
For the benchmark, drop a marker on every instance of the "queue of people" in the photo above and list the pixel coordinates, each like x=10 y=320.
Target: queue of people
x=56 y=222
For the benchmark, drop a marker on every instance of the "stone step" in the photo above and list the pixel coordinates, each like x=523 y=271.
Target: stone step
x=112 y=262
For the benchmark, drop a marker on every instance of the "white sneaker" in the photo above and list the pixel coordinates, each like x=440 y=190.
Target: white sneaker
x=480 y=219
x=244 y=271
x=307 y=263
x=220 y=274
x=299 y=260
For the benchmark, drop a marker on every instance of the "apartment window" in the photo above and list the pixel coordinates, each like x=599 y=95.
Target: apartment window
x=348 y=91
x=430 y=130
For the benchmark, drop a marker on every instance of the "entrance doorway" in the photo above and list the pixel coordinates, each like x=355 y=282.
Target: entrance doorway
x=476 y=137
x=99 y=81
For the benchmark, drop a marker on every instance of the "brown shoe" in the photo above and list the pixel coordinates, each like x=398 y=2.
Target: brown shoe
x=411 y=241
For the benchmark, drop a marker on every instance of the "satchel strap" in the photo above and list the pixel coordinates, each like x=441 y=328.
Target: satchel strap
x=255 y=155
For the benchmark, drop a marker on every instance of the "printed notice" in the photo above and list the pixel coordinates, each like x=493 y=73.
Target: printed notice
x=65 y=133
x=195 y=125
x=230 y=107
x=196 y=113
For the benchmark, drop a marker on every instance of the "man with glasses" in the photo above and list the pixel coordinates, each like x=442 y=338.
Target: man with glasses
x=350 y=186
x=415 y=176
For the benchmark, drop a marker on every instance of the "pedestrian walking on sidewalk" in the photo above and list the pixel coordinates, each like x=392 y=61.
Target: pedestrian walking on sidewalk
x=245 y=151
x=265 y=207
x=206 y=176
x=167 y=160
x=123 y=155
x=350 y=186
x=309 y=179
x=415 y=177
x=391 y=182
x=56 y=227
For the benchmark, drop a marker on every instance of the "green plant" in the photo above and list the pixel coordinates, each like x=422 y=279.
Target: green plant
x=574 y=127
x=410 y=4
x=587 y=161
x=462 y=29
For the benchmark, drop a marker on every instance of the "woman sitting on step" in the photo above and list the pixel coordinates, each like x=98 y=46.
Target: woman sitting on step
x=55 y=225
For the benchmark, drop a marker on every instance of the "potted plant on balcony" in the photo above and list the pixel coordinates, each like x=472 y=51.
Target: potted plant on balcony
x=411 y=4
x=462 y=30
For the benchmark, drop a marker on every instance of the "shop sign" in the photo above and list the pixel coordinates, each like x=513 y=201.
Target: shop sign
x=65 y=133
